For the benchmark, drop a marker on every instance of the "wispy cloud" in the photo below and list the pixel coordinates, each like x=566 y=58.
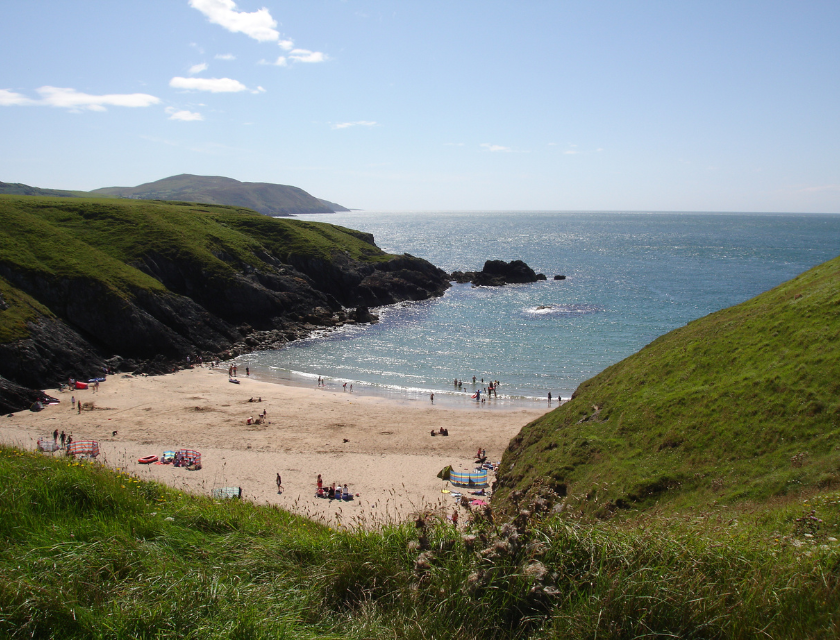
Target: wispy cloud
x=818 y=189
x=495 y=147
x=225 y=56
x=214 y=85
x=280 y=62
x=186 y=116
x=71 y=99
x=259 y=89
x=258 y=25
x=357 y=123
x=286 y=45
x=198 y=68
x=305 y=55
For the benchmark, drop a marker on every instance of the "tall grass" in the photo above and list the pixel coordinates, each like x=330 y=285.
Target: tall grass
x=91 y=553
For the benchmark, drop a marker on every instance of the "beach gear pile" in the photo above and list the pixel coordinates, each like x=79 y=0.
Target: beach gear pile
x=189 y=458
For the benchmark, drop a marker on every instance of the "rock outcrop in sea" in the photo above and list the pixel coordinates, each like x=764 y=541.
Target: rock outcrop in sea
x=497 y=273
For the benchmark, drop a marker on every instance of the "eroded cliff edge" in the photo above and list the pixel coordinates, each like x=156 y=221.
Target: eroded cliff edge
x=86 y=284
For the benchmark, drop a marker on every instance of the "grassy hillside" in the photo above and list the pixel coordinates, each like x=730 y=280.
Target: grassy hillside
x=741 y=404
x=90 y=553
x=264 y=197
x=16 y=188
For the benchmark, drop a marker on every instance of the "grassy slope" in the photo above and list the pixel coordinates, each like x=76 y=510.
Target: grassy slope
x=744 y=403
x=99 y=238
x=90 y=553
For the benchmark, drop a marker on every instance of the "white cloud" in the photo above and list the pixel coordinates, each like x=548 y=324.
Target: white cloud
x=225 y=56
x=286 y=45
x=571 y=152
x=186 y=116
x=495 y=147
x=259 y=89
x=215 y=85
x=258 y=25
x=304 y=55
x=358 y=123
x=71 y=99
x=9 y=98
x=198 y=68
x=280 y=62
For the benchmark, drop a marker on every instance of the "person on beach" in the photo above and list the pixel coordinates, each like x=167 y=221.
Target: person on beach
x=72 y=402
x=69 y=441
x=351 y=388
x=248 y=371
x=79 y=406
x=320 y=483
x=234 y=371
x=55 y=436
x=279 y=481
x=455 y=518
x=344 y=386
x=549 y=397
x=432 y=397
x=338 y=492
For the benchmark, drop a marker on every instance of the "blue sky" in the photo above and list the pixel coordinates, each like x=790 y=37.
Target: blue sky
x=692 y=106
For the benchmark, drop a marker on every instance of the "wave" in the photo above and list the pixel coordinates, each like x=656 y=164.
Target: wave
x=562 y=310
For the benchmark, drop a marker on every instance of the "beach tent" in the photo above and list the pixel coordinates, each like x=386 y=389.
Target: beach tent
x=46 y=443
x=444 y=473
x=83 y=448
x=468 y=479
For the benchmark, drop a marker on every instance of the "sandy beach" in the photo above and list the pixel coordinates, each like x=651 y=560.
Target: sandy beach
x=380 y=447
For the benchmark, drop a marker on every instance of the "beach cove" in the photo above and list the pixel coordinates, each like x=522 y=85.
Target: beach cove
x=380 y=447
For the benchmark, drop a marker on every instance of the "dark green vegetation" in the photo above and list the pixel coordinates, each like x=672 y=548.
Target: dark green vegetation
x=90 y=553
x=87 y=279
x=742 y=404
x=18 y=189
x=272 y=199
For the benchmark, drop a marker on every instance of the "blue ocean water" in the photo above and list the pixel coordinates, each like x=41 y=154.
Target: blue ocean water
x=630 y=277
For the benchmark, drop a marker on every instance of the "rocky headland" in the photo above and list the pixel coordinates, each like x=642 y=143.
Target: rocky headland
x=134 y=286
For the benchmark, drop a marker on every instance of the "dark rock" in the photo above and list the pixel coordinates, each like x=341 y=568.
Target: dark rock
x=559 y=277
x=14 y=397
x=498 y=272
x=541 y=276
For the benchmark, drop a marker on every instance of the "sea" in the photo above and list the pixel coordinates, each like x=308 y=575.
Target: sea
x=629 y=278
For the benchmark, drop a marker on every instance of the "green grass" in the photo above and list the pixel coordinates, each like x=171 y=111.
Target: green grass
x=743 y=404
x=92 y=553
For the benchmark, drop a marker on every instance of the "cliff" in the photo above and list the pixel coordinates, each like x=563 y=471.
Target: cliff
x=88 y=283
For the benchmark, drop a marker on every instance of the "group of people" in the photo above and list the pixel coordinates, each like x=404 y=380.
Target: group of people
x=334 y=492
x=66 y=440
x=489 y=390
x=442 y=432
x=261 y=417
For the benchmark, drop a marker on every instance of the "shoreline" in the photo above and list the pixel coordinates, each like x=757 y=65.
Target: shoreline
x=381 y=448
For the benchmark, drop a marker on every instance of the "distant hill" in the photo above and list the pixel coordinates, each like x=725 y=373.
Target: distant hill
x=18 y=189
x=743 y=404
x=267 y=198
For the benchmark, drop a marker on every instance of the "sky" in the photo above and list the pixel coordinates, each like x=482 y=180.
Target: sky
x=427 y=105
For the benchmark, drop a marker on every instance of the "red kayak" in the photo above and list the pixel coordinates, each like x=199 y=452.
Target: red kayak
x=147 y=460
